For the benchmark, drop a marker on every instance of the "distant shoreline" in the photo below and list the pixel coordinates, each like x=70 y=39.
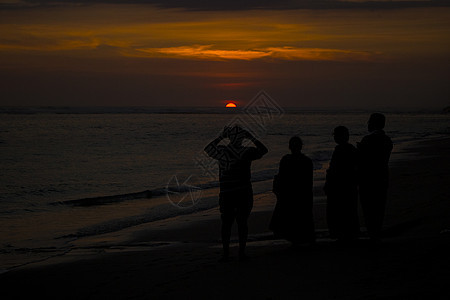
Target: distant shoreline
x=30 y=110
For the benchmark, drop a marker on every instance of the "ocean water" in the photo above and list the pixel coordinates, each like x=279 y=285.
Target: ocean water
x=67 y=174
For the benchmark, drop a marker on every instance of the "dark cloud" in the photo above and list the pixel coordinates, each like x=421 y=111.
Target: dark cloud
x=243 y=4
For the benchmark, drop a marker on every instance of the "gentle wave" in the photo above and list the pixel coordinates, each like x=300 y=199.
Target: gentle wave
x=106 y=199
x=147 y=194
x=160 y=212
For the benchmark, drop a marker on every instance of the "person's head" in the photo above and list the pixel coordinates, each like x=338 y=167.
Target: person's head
x=236 y=135
x=295 y=144
x=376 y=122
x=341 y=135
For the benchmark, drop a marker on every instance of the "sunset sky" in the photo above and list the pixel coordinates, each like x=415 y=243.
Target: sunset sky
x=348 y=54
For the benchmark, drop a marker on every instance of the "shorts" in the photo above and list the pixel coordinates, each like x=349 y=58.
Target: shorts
x=236 y=204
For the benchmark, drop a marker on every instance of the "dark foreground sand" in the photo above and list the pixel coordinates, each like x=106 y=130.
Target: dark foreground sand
x=412 y=263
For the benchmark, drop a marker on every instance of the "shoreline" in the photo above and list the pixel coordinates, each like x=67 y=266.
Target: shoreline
x=58 y=225
x=179 y=259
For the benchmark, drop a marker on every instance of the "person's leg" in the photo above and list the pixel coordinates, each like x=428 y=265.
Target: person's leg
x=242 y=222
x=227 y=224
x=227 y=215
x=243 y=212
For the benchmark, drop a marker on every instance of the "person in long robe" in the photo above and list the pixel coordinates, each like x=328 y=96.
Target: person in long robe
x=374 y=152
x=293 y=218
x=342 y=190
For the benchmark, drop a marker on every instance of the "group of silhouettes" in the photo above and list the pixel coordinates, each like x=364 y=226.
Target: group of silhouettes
x=354 y=172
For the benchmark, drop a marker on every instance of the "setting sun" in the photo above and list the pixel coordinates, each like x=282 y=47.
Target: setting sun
x=230 y=104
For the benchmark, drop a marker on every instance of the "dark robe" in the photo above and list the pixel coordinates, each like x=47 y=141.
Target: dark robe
x=374 y=152
x=342 y=193
x=293 y=215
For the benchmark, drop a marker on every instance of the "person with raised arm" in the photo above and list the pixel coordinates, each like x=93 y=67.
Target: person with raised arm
x=236 y=193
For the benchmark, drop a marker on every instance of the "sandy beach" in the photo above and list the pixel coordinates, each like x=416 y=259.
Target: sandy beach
x=178 y=258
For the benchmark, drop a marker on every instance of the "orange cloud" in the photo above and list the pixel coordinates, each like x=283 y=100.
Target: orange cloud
x=292 y=53
x=206 y=52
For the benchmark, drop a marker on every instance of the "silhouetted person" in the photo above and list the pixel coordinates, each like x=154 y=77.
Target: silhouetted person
x=342 y=190
x=236 y=194
x=374 y=152
x=293 y=214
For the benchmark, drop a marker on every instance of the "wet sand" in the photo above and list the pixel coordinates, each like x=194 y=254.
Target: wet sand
x=179 y=258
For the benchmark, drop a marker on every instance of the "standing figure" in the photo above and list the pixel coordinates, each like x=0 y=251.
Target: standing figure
x=341 y=189
x=374 y=152
x=236 y=193
x=293 y=214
